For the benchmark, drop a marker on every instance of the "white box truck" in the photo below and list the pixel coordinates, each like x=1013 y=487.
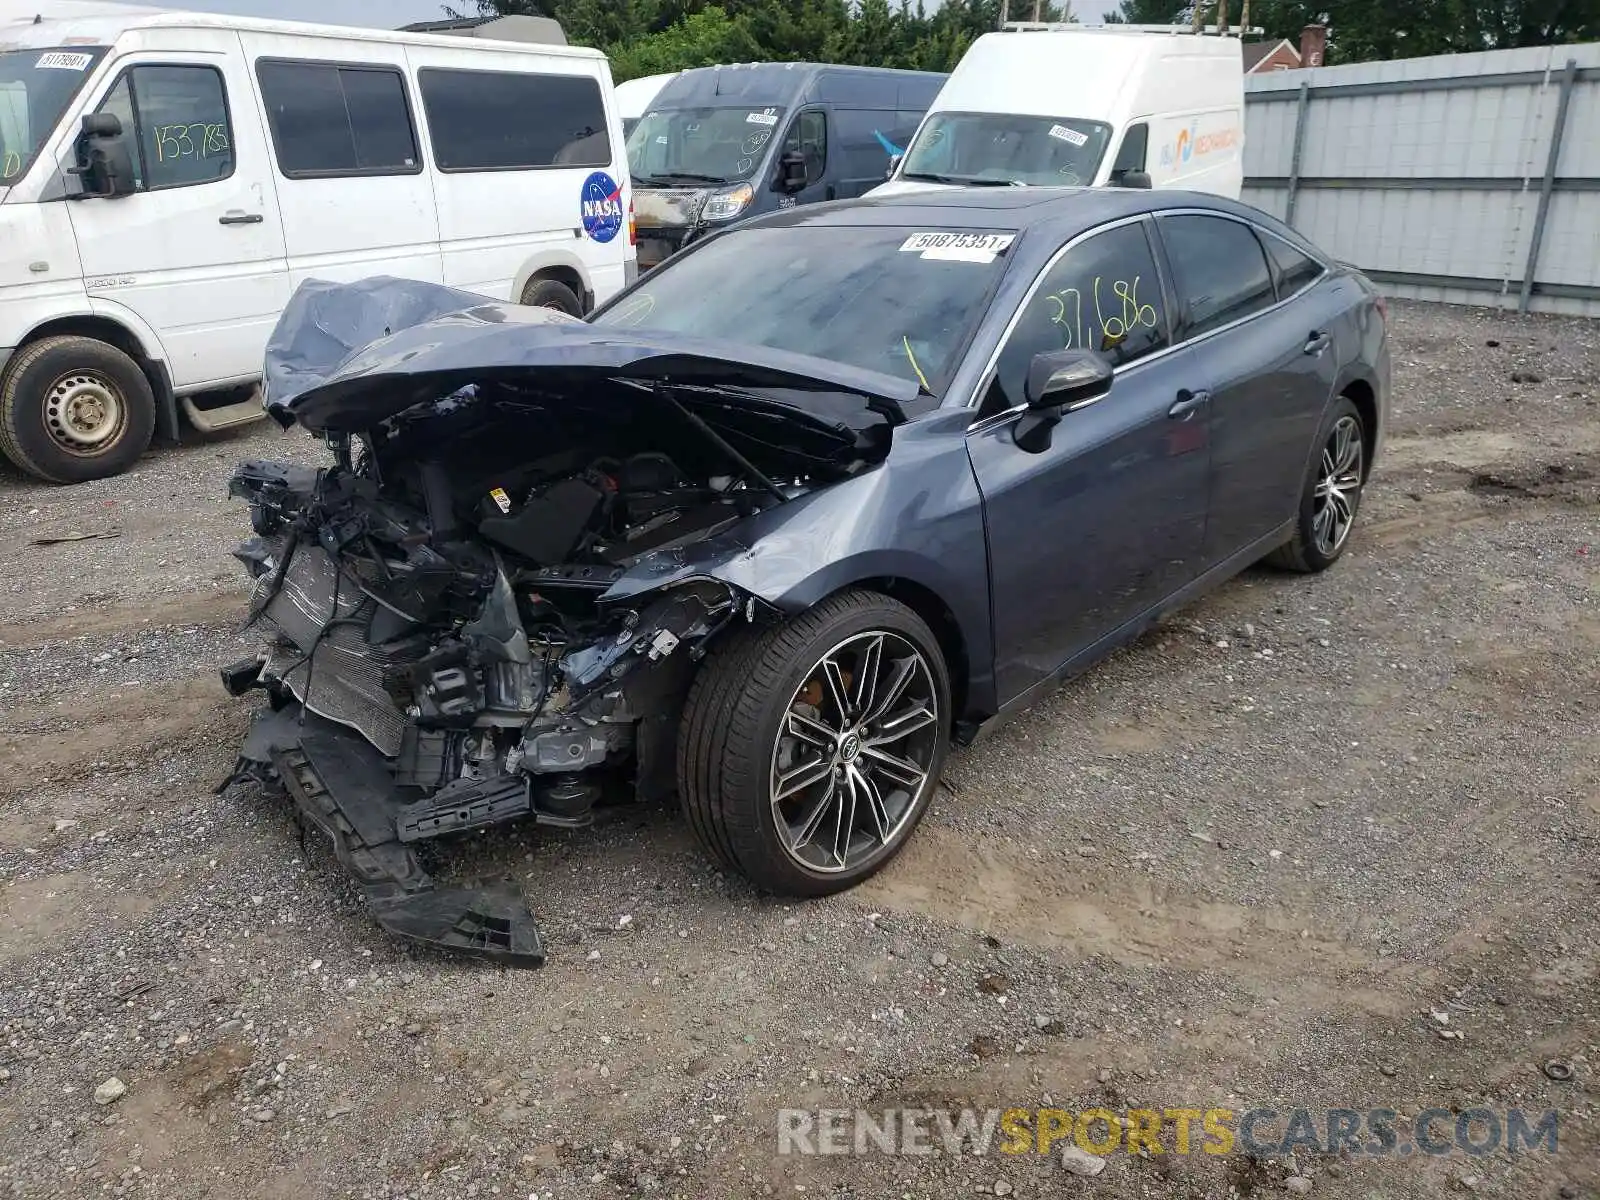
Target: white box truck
x=168 y=179
x=1085 y=106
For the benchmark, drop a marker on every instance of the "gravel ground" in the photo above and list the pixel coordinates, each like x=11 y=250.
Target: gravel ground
x=1250 y=861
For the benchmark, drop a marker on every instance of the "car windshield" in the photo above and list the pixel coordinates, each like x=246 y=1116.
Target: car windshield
x=676 y=147
x=970 y=148
x=35 y=88
x=902 y=301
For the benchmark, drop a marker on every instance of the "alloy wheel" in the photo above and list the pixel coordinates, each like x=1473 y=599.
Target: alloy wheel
x=854 y=753
x=1338 y=487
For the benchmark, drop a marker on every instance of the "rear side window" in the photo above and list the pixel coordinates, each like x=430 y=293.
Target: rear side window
x=1293 y=271
x=865 y=138
x=1218 y=269
x=505 y=121
x=330 y=120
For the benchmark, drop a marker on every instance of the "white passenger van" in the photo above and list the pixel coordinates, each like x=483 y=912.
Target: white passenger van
x=635 y=96
x=168 y=179
x=1074 y=105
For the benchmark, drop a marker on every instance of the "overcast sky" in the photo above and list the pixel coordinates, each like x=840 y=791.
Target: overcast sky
x=388 y=14
x=385 y=14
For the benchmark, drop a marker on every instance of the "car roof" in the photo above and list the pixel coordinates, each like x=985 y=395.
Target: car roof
x=1066 y=211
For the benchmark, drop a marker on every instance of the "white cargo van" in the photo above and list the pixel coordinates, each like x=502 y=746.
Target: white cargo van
x=1119 y=105
x=167 y=180
x=635 y=96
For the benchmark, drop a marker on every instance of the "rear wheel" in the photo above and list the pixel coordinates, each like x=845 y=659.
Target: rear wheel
x=1332 y=495
x=74 y=409
x=552 y=293
x=809 y=752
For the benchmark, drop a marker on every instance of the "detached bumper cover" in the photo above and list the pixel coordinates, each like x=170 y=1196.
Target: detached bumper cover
x=341 y=784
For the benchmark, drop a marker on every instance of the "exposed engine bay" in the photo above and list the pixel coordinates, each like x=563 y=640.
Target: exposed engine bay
x=442 y=652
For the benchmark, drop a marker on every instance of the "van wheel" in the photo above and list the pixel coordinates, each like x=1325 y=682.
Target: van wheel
x=552 y=293
x=74 y=409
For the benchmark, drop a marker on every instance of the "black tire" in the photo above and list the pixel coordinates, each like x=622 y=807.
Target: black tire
x=728 y=738
x=1308 y=551
x=54 y=402
x=552 y=293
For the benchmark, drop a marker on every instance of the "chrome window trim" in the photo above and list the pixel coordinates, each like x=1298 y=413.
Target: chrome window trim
x=987 y=377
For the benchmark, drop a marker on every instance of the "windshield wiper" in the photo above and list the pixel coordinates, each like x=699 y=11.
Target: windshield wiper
x=677 y=178
x=959 y=180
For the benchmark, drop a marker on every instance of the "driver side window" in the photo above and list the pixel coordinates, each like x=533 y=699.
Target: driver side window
x=809 y=135
x=178 y=118
x=1131 y=154
x=1102 y=295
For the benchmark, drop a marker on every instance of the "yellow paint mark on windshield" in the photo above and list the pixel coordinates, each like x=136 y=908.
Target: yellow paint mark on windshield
x=912 y=359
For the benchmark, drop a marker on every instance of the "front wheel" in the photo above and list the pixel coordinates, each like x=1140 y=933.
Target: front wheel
x=1332 y=495
x=808 y=752
x=552 y=293
x=74 y=409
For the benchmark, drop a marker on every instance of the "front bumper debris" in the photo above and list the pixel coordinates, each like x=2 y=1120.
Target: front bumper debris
x=342 y=785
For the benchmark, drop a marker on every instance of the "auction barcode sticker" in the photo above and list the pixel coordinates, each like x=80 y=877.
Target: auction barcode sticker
x=58 y=61
x=958 y=247
x=1070 y=136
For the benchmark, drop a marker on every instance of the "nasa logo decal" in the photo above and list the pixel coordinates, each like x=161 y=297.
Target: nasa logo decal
x=601 y=206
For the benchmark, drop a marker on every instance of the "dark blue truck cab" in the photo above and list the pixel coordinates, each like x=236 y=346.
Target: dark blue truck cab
x=719 y=144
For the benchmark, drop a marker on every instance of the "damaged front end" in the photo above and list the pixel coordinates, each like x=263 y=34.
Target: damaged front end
x=461 y=615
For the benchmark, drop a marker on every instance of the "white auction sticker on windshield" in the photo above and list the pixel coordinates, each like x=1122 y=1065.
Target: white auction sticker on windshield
x=57 y=61
x=958 y=247
x=1071 y=136
x=762 y=118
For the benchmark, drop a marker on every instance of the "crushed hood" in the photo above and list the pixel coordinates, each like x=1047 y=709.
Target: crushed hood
x=345 y=357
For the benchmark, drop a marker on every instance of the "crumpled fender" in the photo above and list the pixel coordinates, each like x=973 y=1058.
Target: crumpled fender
x=863 y=529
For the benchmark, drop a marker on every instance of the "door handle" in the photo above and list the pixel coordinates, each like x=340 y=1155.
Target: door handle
x=1187 y=404
x=1317 y=343
x=235 y=217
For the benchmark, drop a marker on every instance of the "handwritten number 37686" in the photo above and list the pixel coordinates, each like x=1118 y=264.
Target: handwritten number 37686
x=1115 y=320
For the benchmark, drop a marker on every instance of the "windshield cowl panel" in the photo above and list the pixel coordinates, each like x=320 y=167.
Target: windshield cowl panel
x=895 y=300
x=701 y=147
x=1002 y=148
x=36 y=87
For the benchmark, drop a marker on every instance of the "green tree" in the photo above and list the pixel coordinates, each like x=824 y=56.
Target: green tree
x=700 y=39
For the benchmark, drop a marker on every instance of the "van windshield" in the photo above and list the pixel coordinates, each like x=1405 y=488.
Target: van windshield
x=35 y=88
x=901 y=301
x=688 y=147
x=1000 y=148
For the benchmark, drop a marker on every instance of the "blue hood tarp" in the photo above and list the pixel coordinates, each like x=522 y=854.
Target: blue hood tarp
x=345 y=357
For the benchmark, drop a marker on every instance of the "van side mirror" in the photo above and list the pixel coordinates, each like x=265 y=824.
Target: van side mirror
x=791 y=172
x=1134 y=179
x=105 y=160
x=1058 y=382
x=894 y=165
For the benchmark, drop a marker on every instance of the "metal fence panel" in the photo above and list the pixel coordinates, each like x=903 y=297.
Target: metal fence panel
x=1473 y=178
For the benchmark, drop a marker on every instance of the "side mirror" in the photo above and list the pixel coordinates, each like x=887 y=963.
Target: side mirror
x=1058 y=382
x=1134 y=179
x=791 y=172
x=105 y=161
x=1066 y=379
x=894 y=165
